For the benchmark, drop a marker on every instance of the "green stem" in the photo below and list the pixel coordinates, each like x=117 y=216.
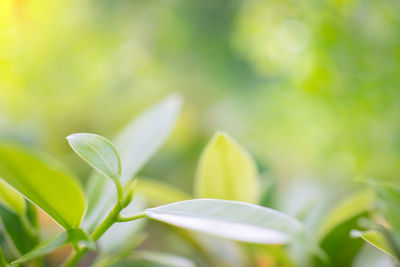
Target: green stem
x=112 y=218
x=131 y=218
x=120 y=190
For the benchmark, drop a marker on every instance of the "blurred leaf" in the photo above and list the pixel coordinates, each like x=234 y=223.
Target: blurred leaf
x=3 y=262
x=136 y=144
x=339 y=246
x=73 y=236
x=226 y=171
x=231 y=219
x=158 y=193
x=163 y=259
x=11 y=198
x=98 y=152
x=52 y=190
x=350 y=207
x=18 y=230
x=376 y=239
x=389 y=197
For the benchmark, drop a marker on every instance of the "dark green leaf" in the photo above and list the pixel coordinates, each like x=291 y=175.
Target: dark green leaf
x=20 y=232
x=73 y=236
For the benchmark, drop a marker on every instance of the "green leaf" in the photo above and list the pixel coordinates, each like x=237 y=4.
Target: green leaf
x=18 y=230
x=44 y=184
x=161 y=258
x=11 y=198
x=158 y=193
x=98 y=152
x=73 y=236
x=226 y=171
x=350 y=207
x=3 y=262
x=376 y=239
x=231 y=219
x=137 y=142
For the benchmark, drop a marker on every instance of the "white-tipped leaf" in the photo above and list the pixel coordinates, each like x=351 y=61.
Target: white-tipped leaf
x=231 y=219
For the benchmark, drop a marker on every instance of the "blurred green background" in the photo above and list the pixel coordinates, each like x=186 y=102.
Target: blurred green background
x=310 y=88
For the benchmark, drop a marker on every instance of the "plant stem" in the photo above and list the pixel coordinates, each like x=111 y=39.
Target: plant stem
x=120 y=190
x=131 y=218
x=112 y=218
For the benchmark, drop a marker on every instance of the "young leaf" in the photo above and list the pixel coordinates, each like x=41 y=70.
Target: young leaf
x=226 y=171
x=137 y=142
x=11 y=198
x=18 y=230
x=98 y=152
x=45 y=185
x=376 y=239
x=231 y=219
x=72 y=236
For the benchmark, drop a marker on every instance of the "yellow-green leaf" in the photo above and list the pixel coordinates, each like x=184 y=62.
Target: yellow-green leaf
x=11 y=198
x=44 y=184
x=226 y=171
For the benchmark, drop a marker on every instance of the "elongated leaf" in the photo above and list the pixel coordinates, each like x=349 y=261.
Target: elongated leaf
x=18 y=230
x=43 y=184
x=11 y=198
x=350 y=207
x=98 y=152
x=226 y=171
x=158 y=193
x=136 y=144
x=231 y=219
x=161 y=258
x=50 y=245
x=376 y=239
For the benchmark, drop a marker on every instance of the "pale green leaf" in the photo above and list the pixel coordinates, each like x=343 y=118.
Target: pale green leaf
x=11 y=198
x=44 y=184
x=231 y=219
x=74 y=236
x=137 y=142
x=226 y=171
x=376 y=239
x=158 y=193
x=98 y=152
x=346 y=209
